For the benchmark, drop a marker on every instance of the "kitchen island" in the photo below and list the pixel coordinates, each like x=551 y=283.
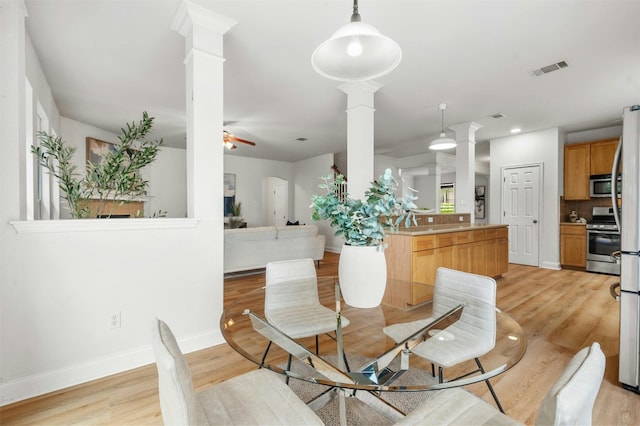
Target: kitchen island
x=413 y=255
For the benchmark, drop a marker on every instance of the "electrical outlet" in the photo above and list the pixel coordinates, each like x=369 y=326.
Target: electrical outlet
x=430 y=219
x=114 y=320
x=460 y=218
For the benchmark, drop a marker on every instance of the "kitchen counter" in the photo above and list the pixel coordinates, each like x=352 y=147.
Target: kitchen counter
x=573 y=223
x=441 y=229
x=414 y=254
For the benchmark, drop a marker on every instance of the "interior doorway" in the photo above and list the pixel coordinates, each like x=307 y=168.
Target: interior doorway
x=521 y=211
x=276 y=201
x=280 y=202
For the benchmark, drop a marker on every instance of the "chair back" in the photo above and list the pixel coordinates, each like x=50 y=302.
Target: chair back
x=178 y=401
x=477 y=292
x=301 y=274
x=570 y=400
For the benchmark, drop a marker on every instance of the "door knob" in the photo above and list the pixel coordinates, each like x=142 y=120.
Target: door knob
x=535 y=220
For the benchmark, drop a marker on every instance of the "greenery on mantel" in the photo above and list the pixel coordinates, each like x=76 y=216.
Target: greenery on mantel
x=364 y=222
x=116 y=177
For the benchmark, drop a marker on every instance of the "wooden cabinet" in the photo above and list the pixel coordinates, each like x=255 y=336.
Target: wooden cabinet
x=412 y=260
x=602 y=153
x=577 y=170
x=573 y=245
x=582 y=160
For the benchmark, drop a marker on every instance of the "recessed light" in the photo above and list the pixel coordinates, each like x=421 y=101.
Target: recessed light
x=516 y=130
x=302 y=139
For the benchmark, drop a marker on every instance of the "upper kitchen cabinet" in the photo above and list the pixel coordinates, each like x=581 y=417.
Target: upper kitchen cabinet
x=602 y=153
x=577 y=170
x=581 y=160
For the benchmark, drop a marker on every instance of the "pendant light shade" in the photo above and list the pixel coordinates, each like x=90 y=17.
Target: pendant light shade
x=356 y=52
x=442 y=142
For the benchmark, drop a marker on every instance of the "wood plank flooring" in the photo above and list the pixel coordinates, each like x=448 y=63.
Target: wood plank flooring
x=560 y=311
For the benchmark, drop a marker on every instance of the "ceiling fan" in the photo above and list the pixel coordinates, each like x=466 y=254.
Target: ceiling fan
x=228 y=139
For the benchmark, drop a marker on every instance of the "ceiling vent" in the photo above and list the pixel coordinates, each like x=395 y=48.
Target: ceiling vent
x=549 y=68
x=497 y=115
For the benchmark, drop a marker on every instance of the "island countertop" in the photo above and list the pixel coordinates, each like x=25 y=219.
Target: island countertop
x=441 y=229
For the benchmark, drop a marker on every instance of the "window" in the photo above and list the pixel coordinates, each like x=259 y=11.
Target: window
x=447 y=198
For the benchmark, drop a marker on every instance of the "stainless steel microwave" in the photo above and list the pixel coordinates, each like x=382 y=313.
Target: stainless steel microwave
x=600 y=186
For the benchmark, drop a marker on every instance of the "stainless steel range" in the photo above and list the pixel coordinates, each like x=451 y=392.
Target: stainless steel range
x=603 y=242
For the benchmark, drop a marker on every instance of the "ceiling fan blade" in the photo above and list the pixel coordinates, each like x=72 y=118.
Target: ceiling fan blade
x=236 y=139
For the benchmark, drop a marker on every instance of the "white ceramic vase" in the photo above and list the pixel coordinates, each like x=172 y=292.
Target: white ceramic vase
x=363 y=275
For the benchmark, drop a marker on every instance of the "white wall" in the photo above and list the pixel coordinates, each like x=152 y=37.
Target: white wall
x=249 y=175
x=541 y=147
x=59 y=283
x=308 y=174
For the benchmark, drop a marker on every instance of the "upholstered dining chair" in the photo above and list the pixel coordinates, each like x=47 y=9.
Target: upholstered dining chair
x=258 y=397
x=568 y=402
x=472 y=336
x=296 y=309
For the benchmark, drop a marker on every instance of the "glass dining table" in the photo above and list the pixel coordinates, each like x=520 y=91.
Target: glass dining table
x=360 y=359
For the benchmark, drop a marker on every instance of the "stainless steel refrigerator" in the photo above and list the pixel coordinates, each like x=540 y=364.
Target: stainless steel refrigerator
x=628 y=154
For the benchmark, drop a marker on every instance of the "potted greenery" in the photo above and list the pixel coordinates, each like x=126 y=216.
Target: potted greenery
x=116 y=177
x=235 y=218
x=364 y=224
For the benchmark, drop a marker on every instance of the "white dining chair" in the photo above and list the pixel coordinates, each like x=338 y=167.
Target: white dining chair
x=568 y=402
x=472 y=336
x=259 y=397
x=292 y=304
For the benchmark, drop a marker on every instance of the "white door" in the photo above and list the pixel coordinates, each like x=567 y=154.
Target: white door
x=521 y=211
x=280 y=204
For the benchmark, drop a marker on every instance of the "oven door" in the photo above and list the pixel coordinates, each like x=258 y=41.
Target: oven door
x=601 y=244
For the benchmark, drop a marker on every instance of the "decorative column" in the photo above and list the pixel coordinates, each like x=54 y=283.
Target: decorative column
x=360 y=135
x=203 y=31
x=465 y=166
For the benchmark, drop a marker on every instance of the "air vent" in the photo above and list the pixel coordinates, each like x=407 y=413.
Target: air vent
x=302 y=139
x=549 y=68
x=497 y=115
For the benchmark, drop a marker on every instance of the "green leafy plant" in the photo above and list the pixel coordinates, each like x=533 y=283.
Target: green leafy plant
x=237 y=209
x=363 y=222
x=116 y=177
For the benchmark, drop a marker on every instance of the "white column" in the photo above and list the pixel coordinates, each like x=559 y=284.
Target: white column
x=465 y=166
x=360 y=136
x=13 y=151
x=203 y=31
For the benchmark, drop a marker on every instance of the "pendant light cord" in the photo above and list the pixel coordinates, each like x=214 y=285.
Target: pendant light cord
x=356 y=16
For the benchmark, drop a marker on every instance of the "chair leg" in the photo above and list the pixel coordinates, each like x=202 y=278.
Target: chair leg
x=493 y=393
x=317 y=346
x=288 y=369
x=440 y=375
x=264 y=356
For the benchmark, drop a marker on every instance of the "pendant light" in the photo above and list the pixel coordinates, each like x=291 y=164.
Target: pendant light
x=356 y=52
x=442 y=142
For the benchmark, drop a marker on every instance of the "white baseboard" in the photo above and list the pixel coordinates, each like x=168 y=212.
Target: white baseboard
x=50 y=381
x=551 y=265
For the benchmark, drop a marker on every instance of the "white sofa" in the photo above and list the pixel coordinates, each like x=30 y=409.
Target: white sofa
x=253 y=248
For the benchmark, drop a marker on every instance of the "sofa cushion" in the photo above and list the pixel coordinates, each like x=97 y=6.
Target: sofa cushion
x=297 y=231
x=250 y=234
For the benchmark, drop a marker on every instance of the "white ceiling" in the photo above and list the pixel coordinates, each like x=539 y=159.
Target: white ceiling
x=108 y=60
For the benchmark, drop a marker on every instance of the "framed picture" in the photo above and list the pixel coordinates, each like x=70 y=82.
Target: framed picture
x=480 y=191
x=479 y=211
x=229 y=193
x=96 y=149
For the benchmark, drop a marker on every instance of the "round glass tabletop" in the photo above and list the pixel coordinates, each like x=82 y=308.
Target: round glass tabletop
x=372 y=360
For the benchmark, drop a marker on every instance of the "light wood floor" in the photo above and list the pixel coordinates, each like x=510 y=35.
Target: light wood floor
x=560 y=311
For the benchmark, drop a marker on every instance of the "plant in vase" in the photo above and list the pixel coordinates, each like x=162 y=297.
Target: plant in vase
x=363 y=224
x=235 y=220
x=116 y=177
